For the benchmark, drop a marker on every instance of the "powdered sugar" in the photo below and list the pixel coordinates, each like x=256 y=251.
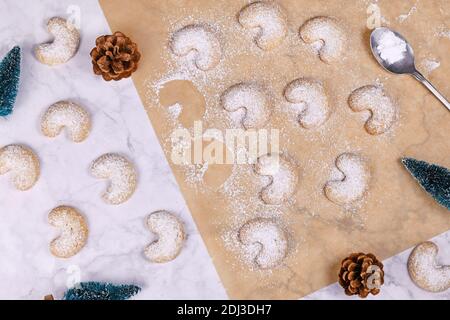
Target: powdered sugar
x=391 y=48
x=429 y=65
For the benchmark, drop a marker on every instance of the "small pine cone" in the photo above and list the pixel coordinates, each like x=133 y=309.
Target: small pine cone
x=361 y=274
x=115 y=56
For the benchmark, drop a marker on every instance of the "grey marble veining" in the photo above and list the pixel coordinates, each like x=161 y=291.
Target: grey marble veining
x=117 y=233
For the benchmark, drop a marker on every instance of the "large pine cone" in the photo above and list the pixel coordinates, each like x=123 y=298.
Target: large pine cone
x=361 y=274
x=115 y=56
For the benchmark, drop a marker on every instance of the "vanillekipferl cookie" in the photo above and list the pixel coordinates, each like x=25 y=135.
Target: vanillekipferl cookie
x=64 y=45
x=284 y=178
x=329 y=33
x=354 y=183
x=23 y=164
x=253 y=99
x=121 y=174
x=374 y=99
x=269 y=19
x=271 y=239
x=424 y=269
x=69 y=115
x=201 y=42
x=311 y=95
x=170 y=232
x=73 y=231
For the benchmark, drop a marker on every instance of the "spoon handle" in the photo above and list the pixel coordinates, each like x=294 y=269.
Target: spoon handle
x=416 y=74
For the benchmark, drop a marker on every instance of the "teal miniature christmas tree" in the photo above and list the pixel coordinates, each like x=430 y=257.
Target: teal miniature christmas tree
x=9 y=81
x=433 y=178
x=101 y=291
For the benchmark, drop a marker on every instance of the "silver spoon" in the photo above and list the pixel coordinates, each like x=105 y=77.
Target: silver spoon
x=405 y=65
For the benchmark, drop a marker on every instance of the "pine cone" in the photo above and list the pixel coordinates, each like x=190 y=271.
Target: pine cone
x=115 y=56
x=361 y=274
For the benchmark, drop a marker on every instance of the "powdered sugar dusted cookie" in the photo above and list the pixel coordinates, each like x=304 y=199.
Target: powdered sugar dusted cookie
x=171 y=237
x=269 y=18
x=424 y=270
x=310 y=94
x=66 y=114
x=284 y=178
x=382 y=108
x=355 y=182
x=23 y=164
x=121 y=174
x=199 y=39
x=73 y=228
x=65 y=43
x=253 y=99
x=271 y=239
x=329 y=31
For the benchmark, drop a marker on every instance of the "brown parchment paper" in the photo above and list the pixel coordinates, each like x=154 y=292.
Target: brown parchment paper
x=396 y=213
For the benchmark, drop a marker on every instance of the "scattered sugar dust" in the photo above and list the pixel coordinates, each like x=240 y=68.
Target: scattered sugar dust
x=243 y=203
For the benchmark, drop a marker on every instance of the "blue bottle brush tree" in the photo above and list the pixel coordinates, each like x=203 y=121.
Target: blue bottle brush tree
x=9 y=80
x=433 y=178
x=101 y=291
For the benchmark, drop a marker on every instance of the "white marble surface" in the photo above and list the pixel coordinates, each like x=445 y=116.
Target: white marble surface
x=117 y=233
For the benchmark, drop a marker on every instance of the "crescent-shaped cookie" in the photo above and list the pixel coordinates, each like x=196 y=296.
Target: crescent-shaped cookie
x=64 y=46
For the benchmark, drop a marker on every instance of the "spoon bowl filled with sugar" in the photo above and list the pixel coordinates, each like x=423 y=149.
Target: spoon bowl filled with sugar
x=395 y=54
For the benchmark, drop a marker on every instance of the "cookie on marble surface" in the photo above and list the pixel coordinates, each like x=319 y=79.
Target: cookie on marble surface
x=269 y=18
x=329 y=32
x=271 y=239
x=171 y=236
x=73 y=228
x=23 y=164
x=63 y=47
x=424 y=270
x=69 y=115
x=121 y=174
